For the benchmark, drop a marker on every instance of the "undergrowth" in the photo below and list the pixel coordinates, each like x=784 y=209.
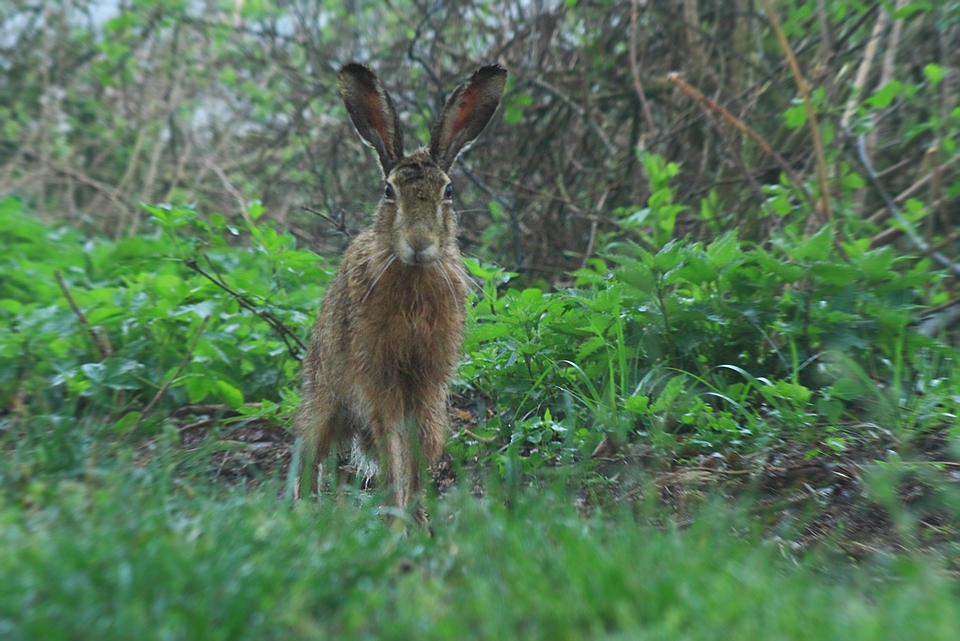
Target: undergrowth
x=135 y=552
x=689 y=347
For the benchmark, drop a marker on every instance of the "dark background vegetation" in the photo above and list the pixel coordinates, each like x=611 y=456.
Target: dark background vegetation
x=219 y=103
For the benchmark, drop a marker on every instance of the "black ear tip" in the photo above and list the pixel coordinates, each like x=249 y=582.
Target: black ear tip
x=489 y=71
x=355 y=67
x=358 y=71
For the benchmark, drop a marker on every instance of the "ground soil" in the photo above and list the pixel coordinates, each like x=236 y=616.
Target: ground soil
x=803 y=497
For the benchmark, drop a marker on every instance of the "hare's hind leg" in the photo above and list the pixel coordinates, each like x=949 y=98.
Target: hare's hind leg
x=317 y=421
x=398 y=468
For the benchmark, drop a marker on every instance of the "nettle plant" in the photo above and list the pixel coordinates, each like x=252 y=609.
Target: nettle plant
x=696 y=346
x=151 y=323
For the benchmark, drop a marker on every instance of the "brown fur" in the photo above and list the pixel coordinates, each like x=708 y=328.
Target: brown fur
x=387 y=339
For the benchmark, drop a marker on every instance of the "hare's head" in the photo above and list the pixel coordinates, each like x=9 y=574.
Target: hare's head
x=416 y=217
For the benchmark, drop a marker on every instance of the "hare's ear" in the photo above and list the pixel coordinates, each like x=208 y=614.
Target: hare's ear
x=466 y=114
x=372 y=113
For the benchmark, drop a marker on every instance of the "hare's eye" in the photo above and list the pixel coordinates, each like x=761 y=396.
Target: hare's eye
x=448 y=192
x=388 y=192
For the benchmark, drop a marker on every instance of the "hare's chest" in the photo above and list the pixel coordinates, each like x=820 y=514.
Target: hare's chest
x=411 y=332
x=412 y=325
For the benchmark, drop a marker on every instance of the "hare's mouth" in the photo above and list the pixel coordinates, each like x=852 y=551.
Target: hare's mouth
x=419 y=252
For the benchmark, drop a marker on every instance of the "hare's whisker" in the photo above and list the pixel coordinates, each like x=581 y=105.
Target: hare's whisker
x=376 y=255
x=446 y=279
x=377 y=279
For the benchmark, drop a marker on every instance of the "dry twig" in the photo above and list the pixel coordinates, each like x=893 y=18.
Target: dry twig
x=286 y=334
x=635 y=71
x=804 y=90
x=675 y=78
x=100 y=340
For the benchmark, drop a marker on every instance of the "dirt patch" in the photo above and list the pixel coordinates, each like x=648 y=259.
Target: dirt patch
x=805 y=500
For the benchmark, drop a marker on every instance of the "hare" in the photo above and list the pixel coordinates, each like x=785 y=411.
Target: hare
x=387 y=338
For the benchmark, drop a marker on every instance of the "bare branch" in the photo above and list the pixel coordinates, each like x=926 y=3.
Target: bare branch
x=100 y=340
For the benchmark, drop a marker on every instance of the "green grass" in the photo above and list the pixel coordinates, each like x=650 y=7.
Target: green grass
x=133 y=553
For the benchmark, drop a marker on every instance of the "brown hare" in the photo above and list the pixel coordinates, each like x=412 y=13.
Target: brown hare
x=387 y=339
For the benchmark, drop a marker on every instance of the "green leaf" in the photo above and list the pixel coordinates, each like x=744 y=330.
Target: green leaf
x=198 y=387
x=255 y=209
x=784 y=390
x=589 y=347
x=934 y=74
x=531 y=295
x=886 y=95
x=697 y=270
x=489 y=332
x=126 y=422
x=912 y=8
x=876 y=264
x=854 y=180
x=817 y=247
x=796 y=116
x=723 y=250
x=231 y=396
x=637 y=404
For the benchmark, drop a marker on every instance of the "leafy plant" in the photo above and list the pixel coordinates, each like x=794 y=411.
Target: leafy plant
x=167 y=327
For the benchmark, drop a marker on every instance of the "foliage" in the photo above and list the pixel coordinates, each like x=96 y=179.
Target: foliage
x=689 y=346
x=699 y=346
x=152 y=556
x=167 y=327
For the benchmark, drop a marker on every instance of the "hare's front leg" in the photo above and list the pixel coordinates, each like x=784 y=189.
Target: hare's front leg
x=399 y=471
x=433 y=424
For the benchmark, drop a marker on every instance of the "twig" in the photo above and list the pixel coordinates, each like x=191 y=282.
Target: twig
x=209 y=408
x=886 y=71
x=340 y=226
x=881 y=214
x=593 y=230
x=635 y=71
x=192 y=426
x=826 y=47
x=861 y=79
x=804 y=90
x=675 y=78
x=888 y=235
x=100 y=341
x=698 y=468
x=411 y=54
x=225 y=181
x=481 y=439
x=580 y=111
x=691 y=22
x=163 y=388
x=286 y=334
x=908 y=229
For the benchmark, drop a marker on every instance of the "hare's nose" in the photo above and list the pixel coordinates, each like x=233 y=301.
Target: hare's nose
x=422 y=250
x=420 y=245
